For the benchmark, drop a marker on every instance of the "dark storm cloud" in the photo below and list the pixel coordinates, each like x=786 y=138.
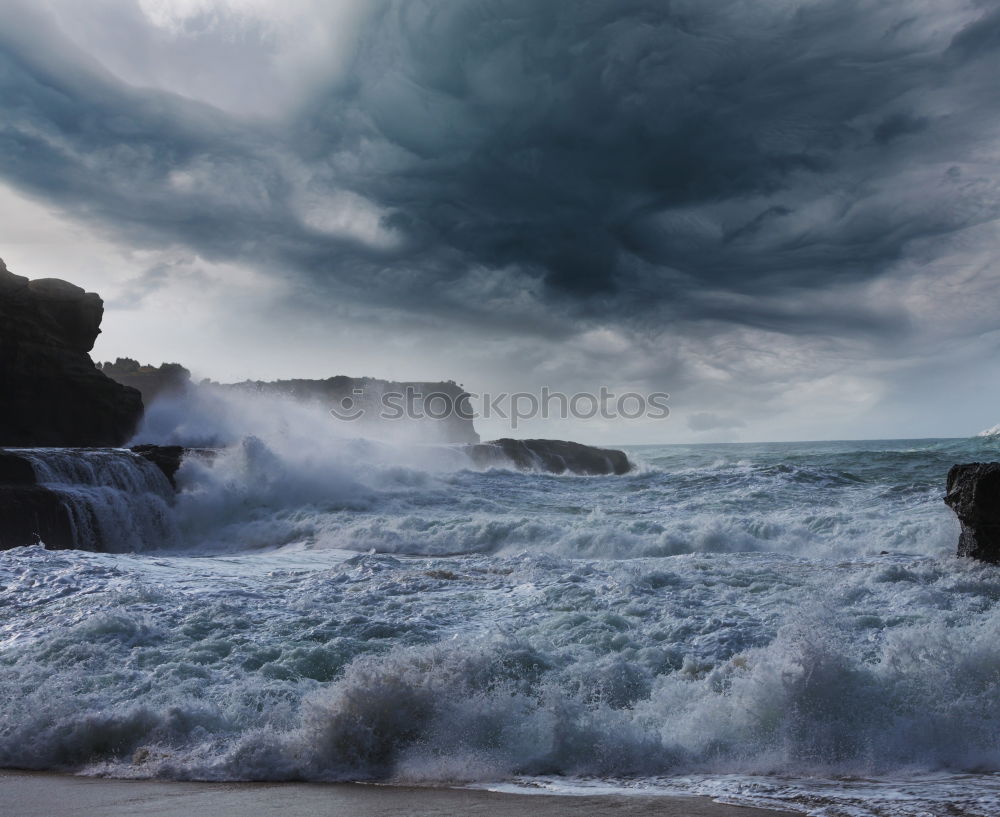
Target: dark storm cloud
x=617 y=161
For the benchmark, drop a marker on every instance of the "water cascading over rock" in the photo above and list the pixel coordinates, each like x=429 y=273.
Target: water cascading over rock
x=108 y=500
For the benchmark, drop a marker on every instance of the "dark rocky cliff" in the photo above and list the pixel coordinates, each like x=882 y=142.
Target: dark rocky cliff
x=51 y=394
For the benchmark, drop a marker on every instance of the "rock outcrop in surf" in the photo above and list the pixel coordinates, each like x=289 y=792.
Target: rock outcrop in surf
x=550 y=456
x=53 y=394
x=974 y=496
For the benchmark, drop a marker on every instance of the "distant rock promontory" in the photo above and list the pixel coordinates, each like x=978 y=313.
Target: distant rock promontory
x=152 y=382
x=52 y=393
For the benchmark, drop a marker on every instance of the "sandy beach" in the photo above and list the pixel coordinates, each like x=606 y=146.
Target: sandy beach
x=38 y=794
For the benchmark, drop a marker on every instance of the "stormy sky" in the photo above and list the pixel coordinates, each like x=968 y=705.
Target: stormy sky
x=782 y=212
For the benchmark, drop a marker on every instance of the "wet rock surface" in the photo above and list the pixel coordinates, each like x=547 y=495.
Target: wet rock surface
x=974 y=496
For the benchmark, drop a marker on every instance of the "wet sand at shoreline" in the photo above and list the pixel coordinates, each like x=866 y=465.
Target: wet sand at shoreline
x=41 y=794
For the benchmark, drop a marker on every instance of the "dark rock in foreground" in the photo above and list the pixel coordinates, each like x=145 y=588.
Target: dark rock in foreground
x=551 y=456
x=974 y=496
x=52 y=394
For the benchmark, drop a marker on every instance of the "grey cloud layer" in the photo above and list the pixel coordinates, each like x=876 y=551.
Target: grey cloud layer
x=537 y=166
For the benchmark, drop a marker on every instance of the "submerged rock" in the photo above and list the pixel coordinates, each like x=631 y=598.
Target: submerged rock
x=551 y=456
x=974 y=496
x=52 y=393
